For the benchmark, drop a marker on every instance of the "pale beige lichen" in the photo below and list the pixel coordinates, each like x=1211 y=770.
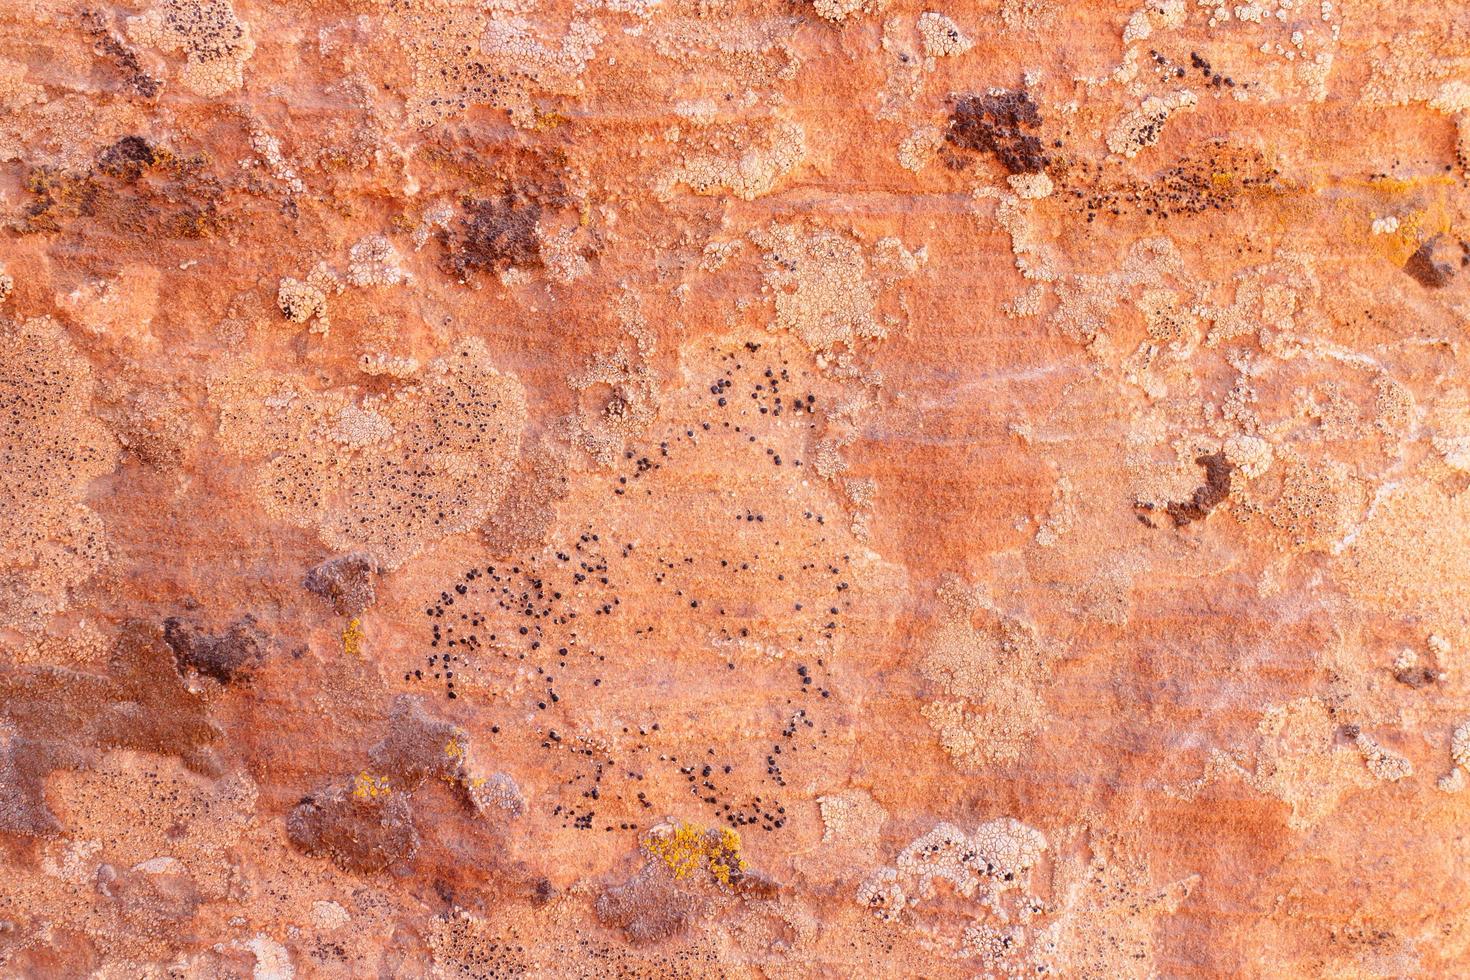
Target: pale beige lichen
x=1456 y=779
x=904 y=67
x=174 y=813
x=495 y=795
x=717 y=253
x=1251 y=455
x=50 y=450
x=988 y=671
x=1095 y=914
x=743 y=160
x=1028 y=15
x=1138 y=27
x=272 y=960
x=919 y=147
x=513 y=41
x=1449 y=421
x=851 y=818
x=1411 y=550
x=1141 y=128
x=821 y=286
x=429 y=461
x=942 y=36
x=840 y=10
x=561 y=253
x=1417 y=67
x=215 y=42
x=1298 y=759
x=1087 y=302
x=1453 y=781
x=268 y=146
x=996 y=858
x=373 y=261
x=1167 y=316
x=359 y=426
x=300 y=301
x=1319 y=503
x=15 y=91
x=1105 y=915
x=893 y=260
x=619 y=392
x=1062 y=515
x=1460 y=746
x=1382 y=763
x=329 y=915
x=382 y=364
x=461 y=58
x=1452 y=97
x=1031 y=187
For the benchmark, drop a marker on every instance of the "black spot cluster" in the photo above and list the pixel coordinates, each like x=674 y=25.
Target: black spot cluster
x=1215 y=177
x=998 y=124
x=555 y=627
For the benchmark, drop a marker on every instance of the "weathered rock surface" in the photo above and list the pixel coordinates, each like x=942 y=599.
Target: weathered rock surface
x=597 y=488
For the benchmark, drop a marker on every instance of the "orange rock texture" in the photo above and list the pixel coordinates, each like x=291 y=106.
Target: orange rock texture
x=761 y=489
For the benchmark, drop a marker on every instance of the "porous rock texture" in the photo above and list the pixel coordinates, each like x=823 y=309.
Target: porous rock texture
x=734 y=488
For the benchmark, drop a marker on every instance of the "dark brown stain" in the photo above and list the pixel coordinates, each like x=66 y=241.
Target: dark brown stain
x=24 y=765
x=107 y=43
x=496 y=233
x=1427 y=272
x=135 y=189
x=1205 y=498
x=127 y=158
x=1416 y=677
x=227 y=657
x=416 y=745
x=63 y=717
x=648 y=907
x=357 y=834
x=516 y=187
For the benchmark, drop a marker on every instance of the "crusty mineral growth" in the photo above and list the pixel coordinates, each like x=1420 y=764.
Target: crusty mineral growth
x=698 y=488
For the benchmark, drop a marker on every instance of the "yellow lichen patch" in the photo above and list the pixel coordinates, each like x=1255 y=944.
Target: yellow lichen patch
x=352 y=637
x=686 y=849
x=366 y=786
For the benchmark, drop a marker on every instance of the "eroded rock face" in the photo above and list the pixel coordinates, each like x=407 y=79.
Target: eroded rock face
x=140 y=702
x=631 y=489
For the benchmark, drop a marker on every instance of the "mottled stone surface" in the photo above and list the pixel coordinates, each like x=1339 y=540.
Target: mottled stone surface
x=809 y=488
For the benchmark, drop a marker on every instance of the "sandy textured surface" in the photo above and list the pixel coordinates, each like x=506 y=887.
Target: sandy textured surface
x=809 y=488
